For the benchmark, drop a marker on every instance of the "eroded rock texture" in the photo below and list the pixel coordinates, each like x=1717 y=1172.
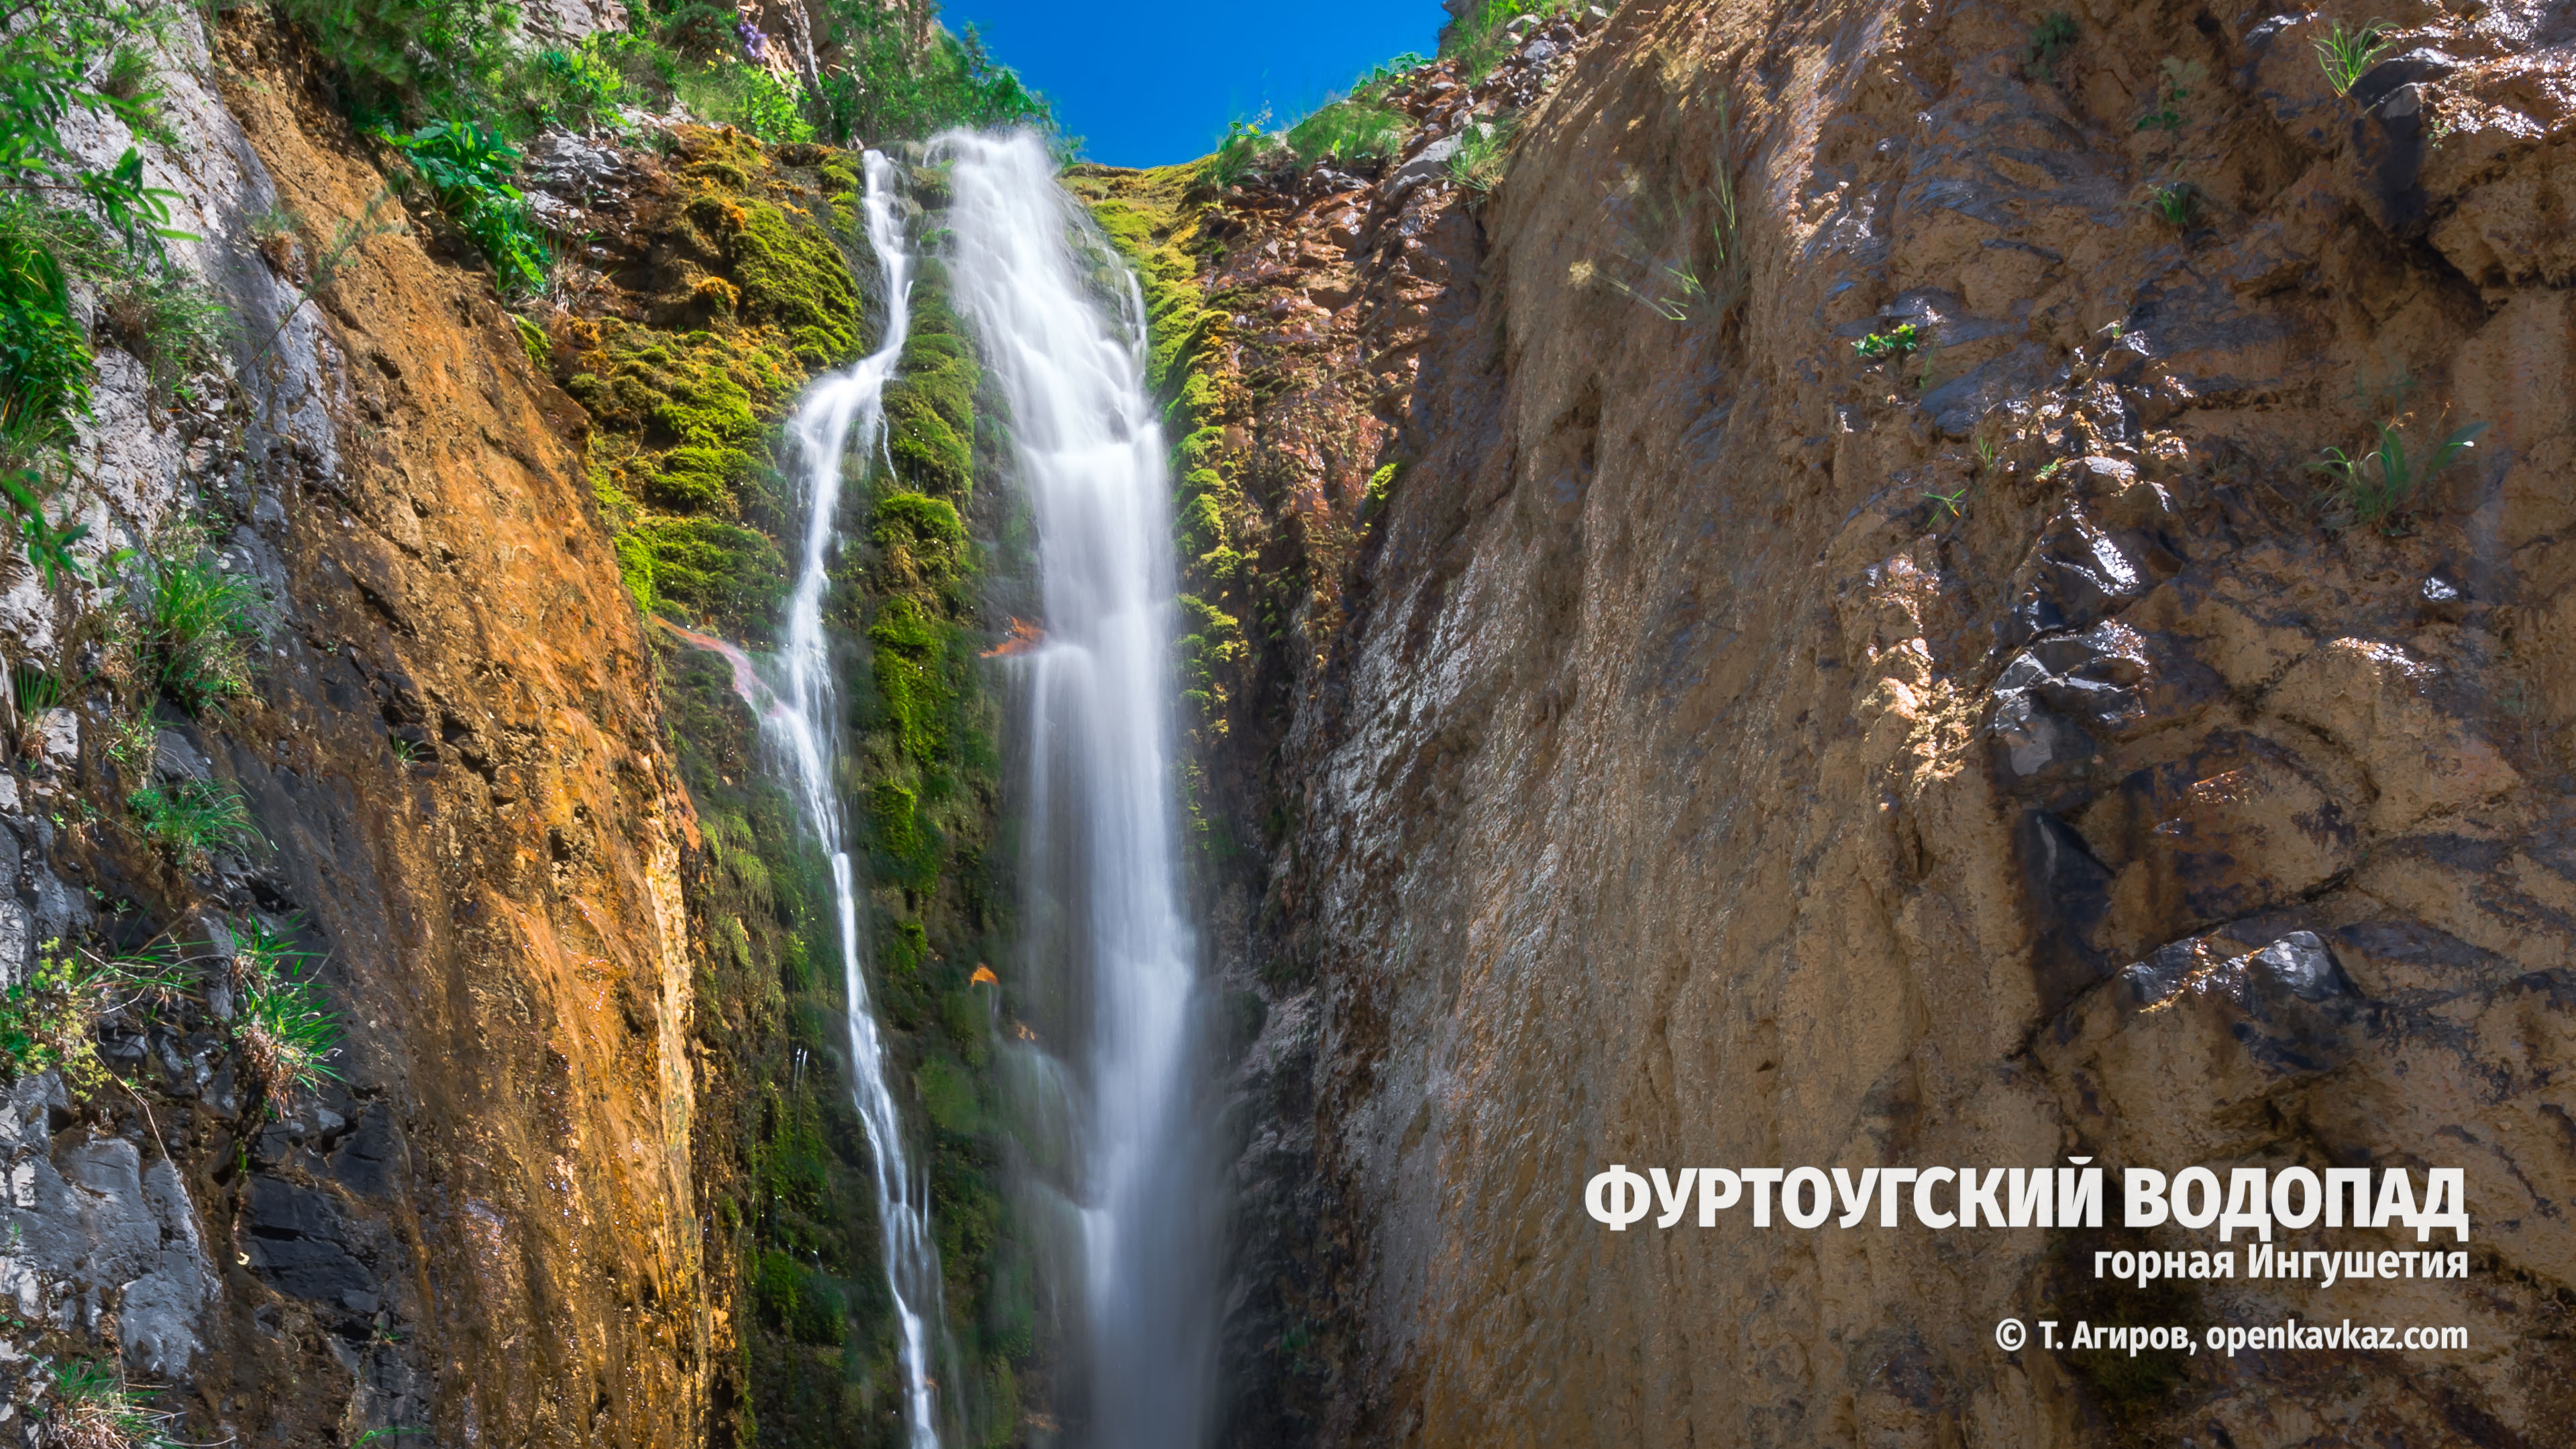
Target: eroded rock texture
x=1741 y=751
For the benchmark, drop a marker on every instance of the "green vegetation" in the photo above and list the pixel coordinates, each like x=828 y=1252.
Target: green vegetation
x=2174 y=203
x=1707 y=284
x=2347 y=55
x=58 y=57
x=189 y=820
x=1479 y=42
x=201 y=622
x=1483 y=153
x=1896 y=341
x=2049 y=41
x=94 y=1408
x=401 y=63
x=2375 y=487
x=2177 y=77
x=282 y=1024
x=1348 y=130
x=49 y=1022
x=1245 y=149
x=468 y=169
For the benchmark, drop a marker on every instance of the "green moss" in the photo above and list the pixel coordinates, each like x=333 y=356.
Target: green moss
x=930 y=406
x=793 y=277
x=717 y=571
x=911 y=686
x=948 y=1094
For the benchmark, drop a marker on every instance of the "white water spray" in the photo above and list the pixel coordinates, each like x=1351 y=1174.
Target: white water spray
x=1101 y=813
x=840 y=413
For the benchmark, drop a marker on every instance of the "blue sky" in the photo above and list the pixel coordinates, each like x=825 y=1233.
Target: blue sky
x=1150 y=82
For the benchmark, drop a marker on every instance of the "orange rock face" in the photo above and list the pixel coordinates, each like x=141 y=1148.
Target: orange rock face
x=501 y=892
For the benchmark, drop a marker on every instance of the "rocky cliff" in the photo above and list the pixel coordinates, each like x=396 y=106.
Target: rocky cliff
x=1855 y=651
x=453 y=815
x=1866 y=586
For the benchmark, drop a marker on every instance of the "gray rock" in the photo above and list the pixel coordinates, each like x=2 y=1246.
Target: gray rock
x=58 y=738
x=1430 y=165
x=173 y=758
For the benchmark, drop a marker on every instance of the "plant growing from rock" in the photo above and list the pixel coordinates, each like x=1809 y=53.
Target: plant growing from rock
x=2178 y=77
x=199 y=623
x=468 y=168
x=189 y=820
x=2347 y=55
x=1348 y=130
x=1245 y=149
x=95 y=1408
x=2375 y=487
x=49 y=1022
x=281 y=1021
x=2049 y=41
x=1896 y=341
x=2174 y=203
x=1483 y=154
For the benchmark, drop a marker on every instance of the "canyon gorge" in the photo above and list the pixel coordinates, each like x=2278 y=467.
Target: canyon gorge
x=707 y=748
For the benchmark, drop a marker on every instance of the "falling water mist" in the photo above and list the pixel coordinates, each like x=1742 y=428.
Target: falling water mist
x=841 y=414
x=1112 y=955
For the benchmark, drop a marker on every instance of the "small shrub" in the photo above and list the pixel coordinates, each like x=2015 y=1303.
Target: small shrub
x=197 y=636
x=189 y=820
x=281 y=1021
x=468 y=168
x=2375 y=487
x=49 y=1022
x=2347 y=55
x=2055 y=35
x=1896 y=341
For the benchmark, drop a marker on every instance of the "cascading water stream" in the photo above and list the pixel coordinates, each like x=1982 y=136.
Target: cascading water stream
x=842 y=412
x=1101 y=811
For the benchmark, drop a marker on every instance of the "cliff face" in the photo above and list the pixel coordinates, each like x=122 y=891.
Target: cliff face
x=1746 y=750
x=485 y=1227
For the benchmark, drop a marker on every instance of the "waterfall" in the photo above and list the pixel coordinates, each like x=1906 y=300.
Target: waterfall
x=1061 y=325
x=842 y=412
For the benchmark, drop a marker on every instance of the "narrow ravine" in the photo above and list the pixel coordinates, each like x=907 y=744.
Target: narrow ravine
x=842 y=414
x=1110 y=952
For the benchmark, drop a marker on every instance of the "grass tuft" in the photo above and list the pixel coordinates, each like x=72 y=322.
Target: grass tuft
x=189 y=820
x=282 y=1022
x=197 y=636
x=95 y=1408
x=1483 y=154
x=1348 y=130
x=2347 y=55
x=2374 y=488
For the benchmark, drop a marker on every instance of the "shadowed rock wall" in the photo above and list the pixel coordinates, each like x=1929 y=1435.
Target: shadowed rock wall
x=1743 y=752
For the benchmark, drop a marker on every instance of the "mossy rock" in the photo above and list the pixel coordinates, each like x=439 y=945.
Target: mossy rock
x=930 y=405
x=712 y=569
